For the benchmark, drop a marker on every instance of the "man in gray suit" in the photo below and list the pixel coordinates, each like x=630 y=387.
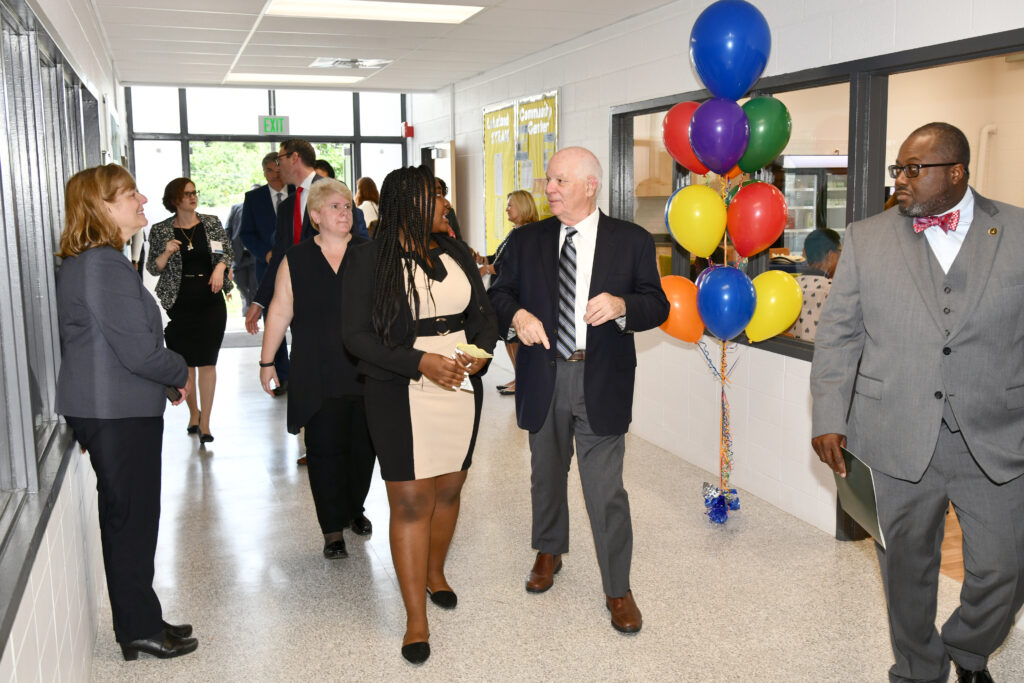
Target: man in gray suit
x=918 y=364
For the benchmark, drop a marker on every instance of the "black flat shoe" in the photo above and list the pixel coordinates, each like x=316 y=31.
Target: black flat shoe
x=416 y=653
x=192 y=429
x=163 y=646
x=205 y=438
x=443 y=599
x=335 y=550
x=361 y=526
x=178 y=631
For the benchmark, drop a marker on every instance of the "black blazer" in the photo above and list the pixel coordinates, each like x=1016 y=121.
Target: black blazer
x=625 y=266
x=376 y=359
x=284 y=238
x=258 y=221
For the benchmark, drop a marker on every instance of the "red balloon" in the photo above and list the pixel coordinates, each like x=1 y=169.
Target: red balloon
x=683 y=319
x=757 y=216
x=675 y=130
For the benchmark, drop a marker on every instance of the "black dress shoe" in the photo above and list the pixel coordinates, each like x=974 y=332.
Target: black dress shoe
x=163 y=645
x=361 y=526
x=416 y=653
x=967 y=676
x=335 y=549
x=178 y=631
x=443 y=599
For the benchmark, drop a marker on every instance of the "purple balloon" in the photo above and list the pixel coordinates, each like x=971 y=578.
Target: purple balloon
x=719 y=132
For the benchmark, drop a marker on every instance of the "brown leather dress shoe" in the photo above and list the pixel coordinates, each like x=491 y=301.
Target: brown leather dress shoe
x=542 y=576
x=626 y=617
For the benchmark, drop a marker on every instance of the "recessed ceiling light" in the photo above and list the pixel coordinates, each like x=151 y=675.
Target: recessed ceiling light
x=291 y=78
x=373 y=10
x=348 y=63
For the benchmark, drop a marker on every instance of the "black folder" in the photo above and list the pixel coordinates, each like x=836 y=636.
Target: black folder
x=857 y=495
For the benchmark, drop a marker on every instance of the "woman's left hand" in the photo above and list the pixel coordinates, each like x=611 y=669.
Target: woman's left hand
x=472 y=365
x=217 y=279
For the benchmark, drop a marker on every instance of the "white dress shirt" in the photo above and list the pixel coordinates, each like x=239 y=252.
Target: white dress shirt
x=946 y=245
x=585 y=241
x=277 y=196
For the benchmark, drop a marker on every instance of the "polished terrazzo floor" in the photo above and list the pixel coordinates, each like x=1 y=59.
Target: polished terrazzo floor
x=764 y=598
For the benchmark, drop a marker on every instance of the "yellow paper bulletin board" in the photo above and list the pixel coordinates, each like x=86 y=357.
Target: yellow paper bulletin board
x=519 y=139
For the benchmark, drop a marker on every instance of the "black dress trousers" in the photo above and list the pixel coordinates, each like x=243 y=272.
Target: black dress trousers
x=125 y=454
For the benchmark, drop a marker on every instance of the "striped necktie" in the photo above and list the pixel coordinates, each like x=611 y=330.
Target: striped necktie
x=566 y=341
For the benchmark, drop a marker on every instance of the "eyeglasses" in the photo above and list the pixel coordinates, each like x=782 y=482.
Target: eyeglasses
x=914 y=170
x=192 y=194
x=282 y=156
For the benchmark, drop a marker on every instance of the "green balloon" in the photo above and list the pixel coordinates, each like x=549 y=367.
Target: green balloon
x=770 y=128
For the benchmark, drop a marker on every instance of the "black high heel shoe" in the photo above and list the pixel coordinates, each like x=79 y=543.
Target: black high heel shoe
x=194 y=429
x=443 y=599
x=205 y=438
x=416 y=653
x=163 y=645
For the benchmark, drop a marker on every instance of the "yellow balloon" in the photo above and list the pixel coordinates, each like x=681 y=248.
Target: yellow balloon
x=779 y=299
x=696 y=216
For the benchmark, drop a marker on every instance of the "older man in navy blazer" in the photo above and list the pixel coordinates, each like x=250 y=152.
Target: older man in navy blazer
x=259 y=214
x=573 y=288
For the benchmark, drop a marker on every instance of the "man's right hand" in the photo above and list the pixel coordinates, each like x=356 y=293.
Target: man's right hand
x=252 y=318
x=827 y=447
x=529 y=328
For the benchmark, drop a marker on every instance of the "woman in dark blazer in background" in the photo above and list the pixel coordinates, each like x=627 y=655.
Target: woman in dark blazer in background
x=115 y=375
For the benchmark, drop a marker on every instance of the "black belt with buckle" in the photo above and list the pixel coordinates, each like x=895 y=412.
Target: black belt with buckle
x=577 y=355
x=441 y=325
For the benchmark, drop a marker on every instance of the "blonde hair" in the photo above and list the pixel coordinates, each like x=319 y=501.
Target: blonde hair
x=88 y=223
x=318 y=194
x=525 y=206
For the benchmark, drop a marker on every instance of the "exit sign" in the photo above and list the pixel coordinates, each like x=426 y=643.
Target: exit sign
x=273 y=125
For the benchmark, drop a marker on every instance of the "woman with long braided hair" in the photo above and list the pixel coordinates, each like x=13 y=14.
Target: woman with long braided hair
x=425 y=297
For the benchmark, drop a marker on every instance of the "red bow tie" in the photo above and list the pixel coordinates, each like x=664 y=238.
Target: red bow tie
x=947 y=222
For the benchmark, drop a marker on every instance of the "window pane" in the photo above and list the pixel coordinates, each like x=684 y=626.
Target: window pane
x=380 y=159
x=380 y=113
x=652 y=178
x=155 y=110
x=224 y=171
x=157 y=162
x=225 y=111
x=338 y=155
x=316 y=112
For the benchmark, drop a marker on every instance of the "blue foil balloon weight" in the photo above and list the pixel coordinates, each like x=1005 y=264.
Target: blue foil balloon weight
x=719 y=501
x=726 y=301
x=729 y=46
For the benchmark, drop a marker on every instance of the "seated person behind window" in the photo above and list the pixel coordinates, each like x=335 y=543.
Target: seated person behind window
x=821 y=249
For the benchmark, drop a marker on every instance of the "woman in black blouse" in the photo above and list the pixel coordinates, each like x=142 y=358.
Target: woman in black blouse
x=325 y=396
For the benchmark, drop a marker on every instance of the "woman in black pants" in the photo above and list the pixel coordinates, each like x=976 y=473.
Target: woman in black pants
x=114 y=376
x=325 y=396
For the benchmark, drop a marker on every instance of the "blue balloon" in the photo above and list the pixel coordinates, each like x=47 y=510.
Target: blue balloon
x=726 y=301
x=729 y=46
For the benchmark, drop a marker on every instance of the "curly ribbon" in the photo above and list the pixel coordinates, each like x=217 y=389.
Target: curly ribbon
x=720 y=499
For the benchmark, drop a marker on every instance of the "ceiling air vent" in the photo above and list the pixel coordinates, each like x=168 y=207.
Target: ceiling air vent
x=348 y=63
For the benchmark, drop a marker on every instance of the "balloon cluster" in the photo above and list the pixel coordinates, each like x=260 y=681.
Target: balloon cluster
x=729 y=46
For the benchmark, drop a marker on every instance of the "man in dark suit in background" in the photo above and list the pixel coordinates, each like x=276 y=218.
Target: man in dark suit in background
x=243 y=266
x=918 y=362
x=573 y=288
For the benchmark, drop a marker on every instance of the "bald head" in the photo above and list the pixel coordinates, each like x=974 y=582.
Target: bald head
x=573 y=181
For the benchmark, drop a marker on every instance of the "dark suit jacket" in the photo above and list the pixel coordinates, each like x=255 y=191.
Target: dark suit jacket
x=259 y=222
x=113 y=360
x=401 y=363
x=284 y=238
x=624 y=266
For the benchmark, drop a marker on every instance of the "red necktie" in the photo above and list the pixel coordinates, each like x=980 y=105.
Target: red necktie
x=297 y=217
x=947 y=222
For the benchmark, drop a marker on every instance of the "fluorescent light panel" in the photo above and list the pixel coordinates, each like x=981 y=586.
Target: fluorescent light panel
x=373 y=10
x=291 y=78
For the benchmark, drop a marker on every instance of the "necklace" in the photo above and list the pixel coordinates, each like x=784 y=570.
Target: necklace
x=186 y=235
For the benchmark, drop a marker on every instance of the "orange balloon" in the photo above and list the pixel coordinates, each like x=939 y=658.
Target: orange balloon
x=736 y=170
x=683 y=319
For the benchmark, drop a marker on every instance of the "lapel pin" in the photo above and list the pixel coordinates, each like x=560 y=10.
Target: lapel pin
x=993 y=231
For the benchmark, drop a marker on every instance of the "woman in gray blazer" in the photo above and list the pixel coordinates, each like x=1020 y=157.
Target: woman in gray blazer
x=114 y=376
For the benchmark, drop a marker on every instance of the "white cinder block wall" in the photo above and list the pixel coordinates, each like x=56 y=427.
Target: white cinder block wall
x=646 y=57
